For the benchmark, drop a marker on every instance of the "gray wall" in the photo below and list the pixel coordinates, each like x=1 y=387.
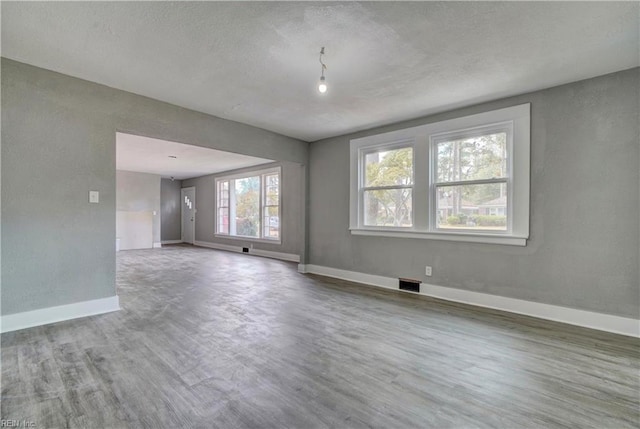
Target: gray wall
x=170 y=216
x=585 y=238
x=58 y=142
x=292 y=217
x=139 y=192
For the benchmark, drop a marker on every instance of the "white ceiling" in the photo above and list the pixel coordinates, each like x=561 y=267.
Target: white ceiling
x=257 y=62
x=148 y=155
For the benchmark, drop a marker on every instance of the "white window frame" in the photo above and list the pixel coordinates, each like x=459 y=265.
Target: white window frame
x=363 y=152
x=423 y=139
x=507 y=128
x=231 y=178
x=218 y=182
x=264 y=205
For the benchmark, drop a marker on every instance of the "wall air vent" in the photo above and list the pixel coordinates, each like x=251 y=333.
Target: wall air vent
x=411 y=285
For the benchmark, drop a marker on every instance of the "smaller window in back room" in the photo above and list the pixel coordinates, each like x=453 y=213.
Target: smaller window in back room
x=248 y=205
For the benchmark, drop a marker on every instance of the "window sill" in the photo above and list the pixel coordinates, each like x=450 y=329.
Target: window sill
x=509 y=240
x=253 y=239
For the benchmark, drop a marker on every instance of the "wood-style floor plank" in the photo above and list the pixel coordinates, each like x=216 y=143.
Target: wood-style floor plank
x=210 y=339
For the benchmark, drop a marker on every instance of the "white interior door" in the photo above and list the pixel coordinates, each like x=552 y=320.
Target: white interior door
x=188 y=199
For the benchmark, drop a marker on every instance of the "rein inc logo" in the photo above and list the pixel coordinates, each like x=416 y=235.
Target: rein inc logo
x=9 y=423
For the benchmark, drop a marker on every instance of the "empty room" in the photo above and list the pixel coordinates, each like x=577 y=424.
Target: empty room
x=320 y=215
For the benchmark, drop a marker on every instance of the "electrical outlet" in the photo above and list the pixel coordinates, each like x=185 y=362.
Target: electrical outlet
x=427 y=271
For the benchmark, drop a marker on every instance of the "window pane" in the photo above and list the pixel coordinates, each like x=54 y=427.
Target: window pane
x=474 y=158
x=222 y=226
x=223 y=194
x=472 y=207
x=247 y=220
x=271 y=190
x=223 y=199
x=388 y=207
x=389 y=168
x=223 y=221
x=271 y=223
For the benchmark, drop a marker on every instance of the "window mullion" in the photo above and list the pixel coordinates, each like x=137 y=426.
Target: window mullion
x=261 y=203
x=232 y=207
x=473 y=182
x=421 y=183
x=384 y=188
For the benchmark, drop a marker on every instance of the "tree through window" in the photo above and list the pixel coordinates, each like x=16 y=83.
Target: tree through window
x=388 y=187
x=249 y=205
x=472 y=181
x=462 y=179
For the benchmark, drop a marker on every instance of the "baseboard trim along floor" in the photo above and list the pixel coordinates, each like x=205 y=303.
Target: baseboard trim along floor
x=171 y=242
x=588 y=319
x=45 y=316
x=256 y=252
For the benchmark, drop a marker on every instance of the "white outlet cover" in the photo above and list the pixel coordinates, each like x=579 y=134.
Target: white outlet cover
x=427 y=271
x=94 y=197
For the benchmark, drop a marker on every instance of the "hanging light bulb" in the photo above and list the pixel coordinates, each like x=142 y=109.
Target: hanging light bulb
x=322 y=85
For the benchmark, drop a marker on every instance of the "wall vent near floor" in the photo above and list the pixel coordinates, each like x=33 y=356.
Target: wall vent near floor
x=245 y=250
x=409 y=284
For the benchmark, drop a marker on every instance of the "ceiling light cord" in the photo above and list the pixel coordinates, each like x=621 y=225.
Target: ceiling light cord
x=324 y=66
x=322 y=85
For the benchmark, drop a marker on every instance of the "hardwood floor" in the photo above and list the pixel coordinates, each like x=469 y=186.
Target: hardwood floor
x=210 y=339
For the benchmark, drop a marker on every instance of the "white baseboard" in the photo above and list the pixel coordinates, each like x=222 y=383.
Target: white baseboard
x=588 y=319
x=157 y=245
x=171 y=242
x=302 y=268
x=276 y=255
x=256 y=252
x=218 y=246
x=45 y=316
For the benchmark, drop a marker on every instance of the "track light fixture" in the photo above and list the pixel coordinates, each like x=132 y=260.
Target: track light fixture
x=322 y=85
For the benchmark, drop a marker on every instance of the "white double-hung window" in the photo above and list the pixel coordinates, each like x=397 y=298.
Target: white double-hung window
x=465 y=179
x=248 y=205
x=471 y=179
x=387 y=186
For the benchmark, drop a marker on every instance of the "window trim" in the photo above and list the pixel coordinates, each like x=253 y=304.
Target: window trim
x=218 y=207
x=243 y=175
x=264 y=205
x=423 y=208
x=435 y=139
x=362 y=153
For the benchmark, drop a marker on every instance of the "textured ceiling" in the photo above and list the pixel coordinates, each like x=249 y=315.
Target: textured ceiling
x=177 y=160
x=257 y=63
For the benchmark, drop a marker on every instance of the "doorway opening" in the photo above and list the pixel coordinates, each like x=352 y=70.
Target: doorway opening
x=188 y=214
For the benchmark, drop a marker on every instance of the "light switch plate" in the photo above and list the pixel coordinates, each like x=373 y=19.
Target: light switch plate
x=94 y=197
